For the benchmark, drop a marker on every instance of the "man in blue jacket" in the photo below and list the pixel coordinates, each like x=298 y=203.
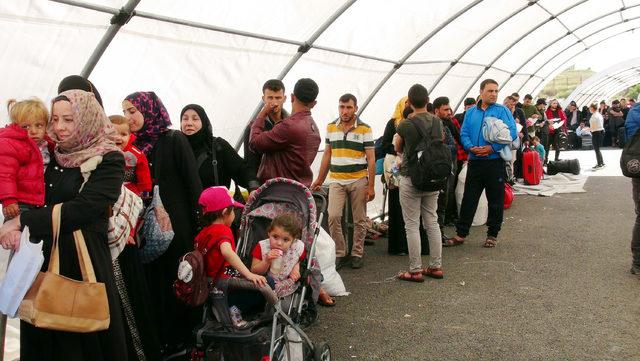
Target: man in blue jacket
x=632 y=125
x=485 y=168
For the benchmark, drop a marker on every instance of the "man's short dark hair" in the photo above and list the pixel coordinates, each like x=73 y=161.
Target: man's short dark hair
x=306 y=90
x=346 y=97
x=487 y=81
x=615 y=102
x=516 y=95
x=512 y=98
x=469 y=101
x=273 y=85
x=440 y=101
x=528 y=96
x=418 y=96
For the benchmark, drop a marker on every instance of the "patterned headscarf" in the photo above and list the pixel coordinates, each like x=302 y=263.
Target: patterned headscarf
x=93 y=135
x=397 y=113
x=156 y=120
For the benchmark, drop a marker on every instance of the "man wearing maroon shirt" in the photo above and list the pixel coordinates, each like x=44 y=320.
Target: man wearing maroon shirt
x=291 y=146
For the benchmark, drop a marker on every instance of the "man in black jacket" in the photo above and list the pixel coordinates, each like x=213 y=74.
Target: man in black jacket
x=468 y=103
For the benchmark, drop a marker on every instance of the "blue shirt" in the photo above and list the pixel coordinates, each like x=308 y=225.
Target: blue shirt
x=471 y=132
x=633 y=121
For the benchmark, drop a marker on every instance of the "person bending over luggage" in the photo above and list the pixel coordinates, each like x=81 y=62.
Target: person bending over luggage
x=279 y=256
x=538 y=147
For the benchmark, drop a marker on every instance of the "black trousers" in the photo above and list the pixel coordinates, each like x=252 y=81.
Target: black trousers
x=597 y=138
x=554 y=139
x=488 y=175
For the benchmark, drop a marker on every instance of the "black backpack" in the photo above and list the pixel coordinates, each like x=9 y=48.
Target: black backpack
x=430 y=164
x=630 y=158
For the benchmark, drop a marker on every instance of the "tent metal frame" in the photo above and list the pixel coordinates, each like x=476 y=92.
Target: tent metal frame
x=123 y=15
x=538 y=86
x=524 y=63
x=520 y=38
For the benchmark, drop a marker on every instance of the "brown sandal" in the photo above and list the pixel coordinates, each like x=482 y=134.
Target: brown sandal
x=490 y=242
x=410 y=276
x=453 y=241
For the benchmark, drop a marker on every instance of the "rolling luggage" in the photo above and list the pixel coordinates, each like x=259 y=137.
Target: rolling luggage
x=531 y=167
x=564 y=166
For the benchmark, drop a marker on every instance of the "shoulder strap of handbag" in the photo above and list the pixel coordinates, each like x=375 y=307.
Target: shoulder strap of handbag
x=86 y=267
x=207 y=247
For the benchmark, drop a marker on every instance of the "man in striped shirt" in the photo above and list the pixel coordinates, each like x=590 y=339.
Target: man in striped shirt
x=349 y=159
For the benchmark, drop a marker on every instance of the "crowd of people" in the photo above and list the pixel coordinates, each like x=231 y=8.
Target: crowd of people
x=190 y=170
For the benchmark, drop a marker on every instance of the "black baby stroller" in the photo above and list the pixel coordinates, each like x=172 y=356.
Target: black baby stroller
x=276 y=333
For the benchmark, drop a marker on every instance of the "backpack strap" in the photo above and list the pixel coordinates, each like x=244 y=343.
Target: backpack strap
x=422 y=129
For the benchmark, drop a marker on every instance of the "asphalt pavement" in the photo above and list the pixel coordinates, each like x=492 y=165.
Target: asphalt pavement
x=557 y=287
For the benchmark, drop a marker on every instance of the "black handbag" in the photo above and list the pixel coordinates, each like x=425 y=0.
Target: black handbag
x=630 y=158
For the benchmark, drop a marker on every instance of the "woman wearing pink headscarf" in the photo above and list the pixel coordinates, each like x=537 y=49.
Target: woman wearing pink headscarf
x=81 y=131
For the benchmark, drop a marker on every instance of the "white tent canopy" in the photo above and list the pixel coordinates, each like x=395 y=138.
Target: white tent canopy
x=219 y=53
x=607 y=83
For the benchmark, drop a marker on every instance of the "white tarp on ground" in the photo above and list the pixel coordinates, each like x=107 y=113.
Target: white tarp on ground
x=569 y=183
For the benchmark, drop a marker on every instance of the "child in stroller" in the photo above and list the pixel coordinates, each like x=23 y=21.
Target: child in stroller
x=275 y=333
x=280 y=255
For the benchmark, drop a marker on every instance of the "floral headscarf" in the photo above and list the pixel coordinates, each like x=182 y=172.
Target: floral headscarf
x=156 y=120
x=397 y=113
x=93 y=135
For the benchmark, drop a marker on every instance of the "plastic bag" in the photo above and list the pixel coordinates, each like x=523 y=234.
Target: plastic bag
x=22 y=271
x=326 y=255
x=482 y=211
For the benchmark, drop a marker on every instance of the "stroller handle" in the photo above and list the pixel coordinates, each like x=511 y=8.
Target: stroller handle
x=243 y=284
x=322 y=207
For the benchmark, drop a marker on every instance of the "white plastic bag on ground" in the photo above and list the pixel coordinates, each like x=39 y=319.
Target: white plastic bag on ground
x=482 y=211
x=326 y=255
x=22 y=271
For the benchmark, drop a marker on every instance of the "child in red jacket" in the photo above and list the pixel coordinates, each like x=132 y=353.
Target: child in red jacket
x=137 y=176
x=23 y=151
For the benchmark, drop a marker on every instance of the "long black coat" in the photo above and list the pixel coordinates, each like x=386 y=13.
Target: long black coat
x=87 y=211
x=173 y=168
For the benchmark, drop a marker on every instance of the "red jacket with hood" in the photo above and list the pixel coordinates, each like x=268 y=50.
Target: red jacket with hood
x=136 y=176
x=21 y=168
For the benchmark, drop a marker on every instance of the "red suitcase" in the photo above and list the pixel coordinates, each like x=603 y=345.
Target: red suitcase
x=531 y=167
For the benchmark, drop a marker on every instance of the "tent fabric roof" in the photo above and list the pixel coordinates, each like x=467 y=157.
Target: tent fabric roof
x=607 y=82
x=219 y=53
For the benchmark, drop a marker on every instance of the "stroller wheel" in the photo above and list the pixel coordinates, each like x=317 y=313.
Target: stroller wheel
x=321 y=352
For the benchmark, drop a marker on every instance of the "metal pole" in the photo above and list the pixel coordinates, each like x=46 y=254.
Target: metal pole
x=303 y=49
x=123 y=17
x=506 y=49
x=412 y=51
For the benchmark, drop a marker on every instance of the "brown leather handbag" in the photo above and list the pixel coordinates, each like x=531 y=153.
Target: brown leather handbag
x=56 y=302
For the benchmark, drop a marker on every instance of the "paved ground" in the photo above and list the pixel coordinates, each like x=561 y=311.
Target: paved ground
x=557 y=287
